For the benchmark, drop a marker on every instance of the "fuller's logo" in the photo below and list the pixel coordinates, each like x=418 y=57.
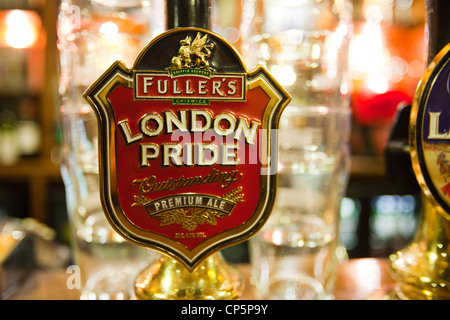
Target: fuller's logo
x=190 y=79
x=187 y=145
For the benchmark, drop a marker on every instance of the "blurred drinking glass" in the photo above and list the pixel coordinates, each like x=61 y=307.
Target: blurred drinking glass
x=304 y=45
x=93 y=34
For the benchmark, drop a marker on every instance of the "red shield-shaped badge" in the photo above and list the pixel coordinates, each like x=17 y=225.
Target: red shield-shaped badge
x=187 y=145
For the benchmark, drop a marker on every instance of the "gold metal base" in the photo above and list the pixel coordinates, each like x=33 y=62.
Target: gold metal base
x=423 y=268
x=167 y=279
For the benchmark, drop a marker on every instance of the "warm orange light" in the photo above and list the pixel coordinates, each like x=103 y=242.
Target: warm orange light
x=20 y=28
x=369 y=57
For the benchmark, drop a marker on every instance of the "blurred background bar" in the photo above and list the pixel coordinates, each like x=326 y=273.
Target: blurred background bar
x=387 y=59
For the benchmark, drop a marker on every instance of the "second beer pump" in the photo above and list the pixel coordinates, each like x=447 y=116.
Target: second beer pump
x=420 y=138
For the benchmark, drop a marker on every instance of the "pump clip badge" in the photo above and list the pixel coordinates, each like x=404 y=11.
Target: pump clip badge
x=430 y=132
x=187 y=145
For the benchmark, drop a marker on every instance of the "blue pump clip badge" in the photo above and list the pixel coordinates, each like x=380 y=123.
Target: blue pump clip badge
x=430 y=132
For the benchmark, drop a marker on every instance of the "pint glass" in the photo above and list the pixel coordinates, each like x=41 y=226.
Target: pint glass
x=92 y=34
x=304 y=45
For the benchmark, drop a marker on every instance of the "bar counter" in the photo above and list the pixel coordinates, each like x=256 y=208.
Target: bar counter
x=357 y=279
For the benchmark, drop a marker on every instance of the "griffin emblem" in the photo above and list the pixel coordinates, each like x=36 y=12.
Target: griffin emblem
x=193 y=54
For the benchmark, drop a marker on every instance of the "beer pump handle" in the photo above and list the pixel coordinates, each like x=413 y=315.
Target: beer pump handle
x=182 y=13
